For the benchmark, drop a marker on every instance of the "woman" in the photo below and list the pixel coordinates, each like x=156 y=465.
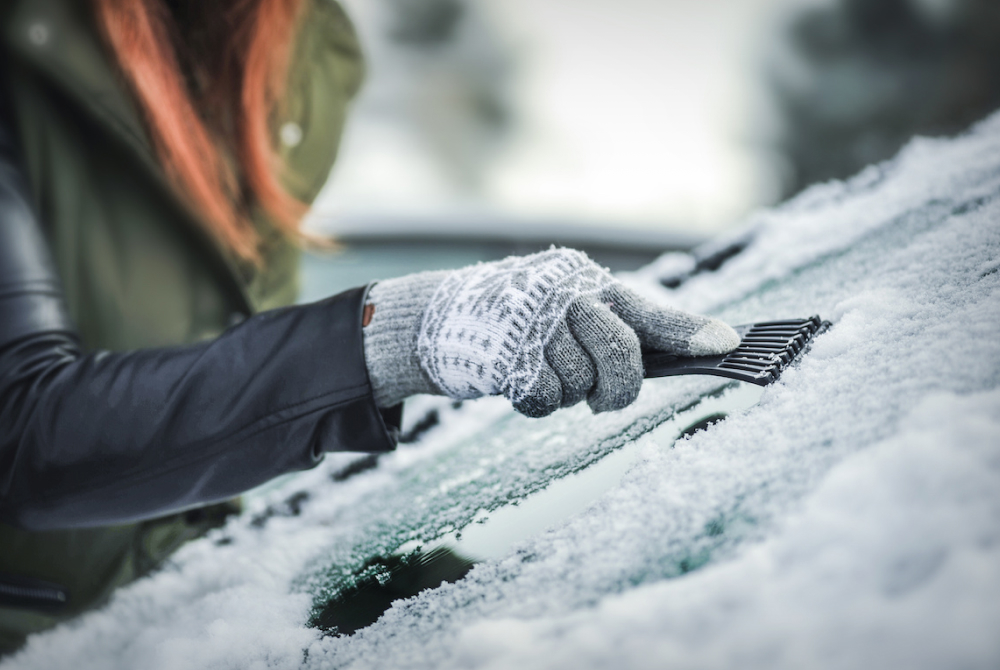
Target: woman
x=156 y=158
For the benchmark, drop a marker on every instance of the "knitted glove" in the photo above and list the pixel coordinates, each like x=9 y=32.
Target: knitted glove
x=545 y=331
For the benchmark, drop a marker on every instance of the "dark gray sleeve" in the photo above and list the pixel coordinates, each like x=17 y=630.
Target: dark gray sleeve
x=101 y=438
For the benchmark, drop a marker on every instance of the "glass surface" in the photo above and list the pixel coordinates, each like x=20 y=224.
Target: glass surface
x=360 y=599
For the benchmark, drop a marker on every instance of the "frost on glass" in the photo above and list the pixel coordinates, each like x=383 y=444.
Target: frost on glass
x=442 y=512
x=849 y=518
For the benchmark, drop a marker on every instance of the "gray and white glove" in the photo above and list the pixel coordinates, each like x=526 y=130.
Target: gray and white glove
x=545 y=331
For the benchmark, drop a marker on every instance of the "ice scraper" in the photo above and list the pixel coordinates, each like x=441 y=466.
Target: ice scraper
x=765 y=350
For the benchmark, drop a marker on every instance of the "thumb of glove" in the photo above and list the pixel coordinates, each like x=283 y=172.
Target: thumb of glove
x=664 y=329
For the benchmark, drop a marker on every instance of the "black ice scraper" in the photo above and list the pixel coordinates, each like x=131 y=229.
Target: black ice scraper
x=765 y=350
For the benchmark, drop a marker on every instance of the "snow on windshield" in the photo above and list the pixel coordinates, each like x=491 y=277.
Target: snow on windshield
x=850 y=518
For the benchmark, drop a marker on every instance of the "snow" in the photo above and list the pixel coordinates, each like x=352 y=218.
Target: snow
x=890 y=562
x=849 y=519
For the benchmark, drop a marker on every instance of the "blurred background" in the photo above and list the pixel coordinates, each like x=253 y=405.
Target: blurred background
x=626 y=127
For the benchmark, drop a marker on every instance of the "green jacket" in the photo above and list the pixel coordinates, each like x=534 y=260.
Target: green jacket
x=138 y=268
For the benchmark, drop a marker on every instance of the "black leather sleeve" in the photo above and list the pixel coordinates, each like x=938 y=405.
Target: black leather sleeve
x=100 y=438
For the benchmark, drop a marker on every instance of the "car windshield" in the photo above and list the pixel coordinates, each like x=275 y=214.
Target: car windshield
x=706 y=524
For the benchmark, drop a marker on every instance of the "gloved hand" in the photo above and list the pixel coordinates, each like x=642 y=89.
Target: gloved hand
x=545 y=331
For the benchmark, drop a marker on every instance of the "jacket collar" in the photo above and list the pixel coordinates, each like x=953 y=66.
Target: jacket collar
x=58 y=38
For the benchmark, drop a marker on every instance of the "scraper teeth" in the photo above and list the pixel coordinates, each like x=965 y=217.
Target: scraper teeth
x=791 y=322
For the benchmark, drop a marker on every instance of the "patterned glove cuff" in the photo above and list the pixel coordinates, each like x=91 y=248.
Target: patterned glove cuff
x=390 y=336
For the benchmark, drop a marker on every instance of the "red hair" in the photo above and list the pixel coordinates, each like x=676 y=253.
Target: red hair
x=223 y=115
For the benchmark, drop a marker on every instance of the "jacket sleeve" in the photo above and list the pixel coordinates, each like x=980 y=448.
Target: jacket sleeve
x=100 y=438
